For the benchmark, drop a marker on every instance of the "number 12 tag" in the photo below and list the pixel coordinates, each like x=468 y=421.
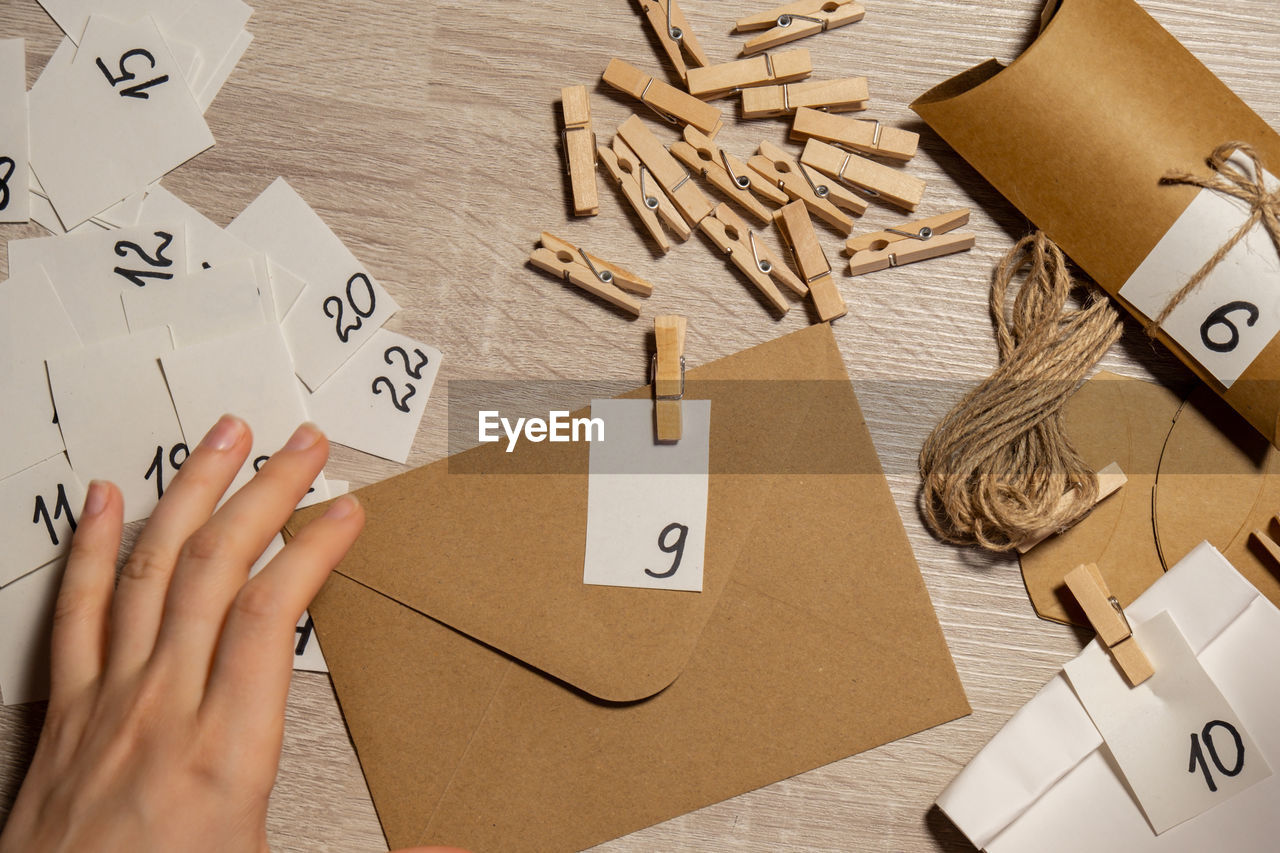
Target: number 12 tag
x=1175 y=737
x=647 y=502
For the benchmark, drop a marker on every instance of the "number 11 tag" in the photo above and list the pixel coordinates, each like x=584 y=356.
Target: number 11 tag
x=1175 y=737
x=647 y=502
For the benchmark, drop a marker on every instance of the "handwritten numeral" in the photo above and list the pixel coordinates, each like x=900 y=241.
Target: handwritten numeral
x=401 y=403
x=7 y=166
x=416 y=370
x=1219 y=318
x=60 y=506
x=157 y=465
x=676 y=548
x=137 y=90
x=344 y=332
x=304 y=632
x=1197 y=754
x=124 y=247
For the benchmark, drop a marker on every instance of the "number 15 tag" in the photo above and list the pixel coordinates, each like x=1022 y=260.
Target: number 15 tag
x=1175 y=737
x=647 y=502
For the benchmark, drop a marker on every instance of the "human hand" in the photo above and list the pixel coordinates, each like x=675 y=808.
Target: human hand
x=166 y=712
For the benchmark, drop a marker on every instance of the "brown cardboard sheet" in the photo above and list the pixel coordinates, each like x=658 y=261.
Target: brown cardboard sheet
x=1077 y=133
x=1110 y=419
x=497 y=703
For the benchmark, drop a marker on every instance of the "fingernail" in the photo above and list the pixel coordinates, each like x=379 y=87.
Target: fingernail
x=225 y=433
x=96 y=500
x=342 y=507
x=303 y=437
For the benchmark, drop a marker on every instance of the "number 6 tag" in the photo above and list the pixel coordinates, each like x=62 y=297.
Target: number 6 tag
x=647 y=502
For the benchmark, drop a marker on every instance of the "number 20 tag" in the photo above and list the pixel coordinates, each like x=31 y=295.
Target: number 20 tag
x=646 y=502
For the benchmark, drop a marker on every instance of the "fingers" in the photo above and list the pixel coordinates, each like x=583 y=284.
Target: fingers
x=80 y=617
x=249 y=683
x=187 y=503
x=214 y=562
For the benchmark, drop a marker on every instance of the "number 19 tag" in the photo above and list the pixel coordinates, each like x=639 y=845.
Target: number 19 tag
x=1176 y=739
x=647 y=502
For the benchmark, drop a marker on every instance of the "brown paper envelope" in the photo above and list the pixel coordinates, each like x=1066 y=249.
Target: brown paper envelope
x=815 y=639
x=1077 y=133
x=1109 y=419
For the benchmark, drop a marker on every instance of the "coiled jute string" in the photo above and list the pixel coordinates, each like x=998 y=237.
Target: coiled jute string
x=1230 y=179
x=996 y=468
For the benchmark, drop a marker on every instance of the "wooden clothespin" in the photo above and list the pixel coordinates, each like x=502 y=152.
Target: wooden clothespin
x=671 y=176
x=1108 y=619
x=797 y=233
x=727 y=173
x=875 y=179
x=673 y=105
x=1268 y=544
x=1110 y=479
x=595 y=275
x=823 y=198
x=668 y=375
x=797 y=20
x=751 y=256
x=717 y=81
x=674 y=34
x=647 y=199
x=837 y=96
x=867 y=137
x=579 y=142
x=920 y=229
x=917 y=241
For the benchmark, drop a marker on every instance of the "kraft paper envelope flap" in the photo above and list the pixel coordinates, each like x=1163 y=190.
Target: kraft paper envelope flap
x=1077 y=133
x=1109 y=419
x=822 y=643
x=1218 y=481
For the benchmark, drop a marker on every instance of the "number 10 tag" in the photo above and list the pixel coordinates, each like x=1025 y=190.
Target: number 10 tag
x=1175 y=737
x=647 y=502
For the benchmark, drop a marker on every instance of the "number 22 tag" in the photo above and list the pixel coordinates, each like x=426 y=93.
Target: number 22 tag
x=647 y=502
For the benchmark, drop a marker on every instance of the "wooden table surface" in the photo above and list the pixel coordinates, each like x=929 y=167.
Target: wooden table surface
x=425 y=134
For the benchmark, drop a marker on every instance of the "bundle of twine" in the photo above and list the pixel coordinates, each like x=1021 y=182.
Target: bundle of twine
x=997 y=467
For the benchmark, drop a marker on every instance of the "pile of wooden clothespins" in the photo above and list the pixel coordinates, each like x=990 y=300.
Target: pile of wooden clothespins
x=832 y=179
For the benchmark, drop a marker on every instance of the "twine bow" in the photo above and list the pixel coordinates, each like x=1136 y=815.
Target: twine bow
x=1230 y=179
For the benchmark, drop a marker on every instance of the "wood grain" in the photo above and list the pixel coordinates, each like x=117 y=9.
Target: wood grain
x=426 y=135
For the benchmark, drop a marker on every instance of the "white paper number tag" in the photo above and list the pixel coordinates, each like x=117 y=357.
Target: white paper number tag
x=1177 y=741
x=647 y=502
x=38 y=511
x=1235 y=312
x=15 y=201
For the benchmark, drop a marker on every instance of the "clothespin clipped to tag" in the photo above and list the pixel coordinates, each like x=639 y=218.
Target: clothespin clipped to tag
x=641 y=190
x=916 y=241
x=579 y=143
x=751 y=256
x=1268 y=544
x=875 y=179
x=865 y=137
x=674 y=34
x=668 y=376
x=668 y=172
x=717 y=81
x=727 y=173
x=823 y=198
x=671 y=104
x=1107 y=617
x=1110 y=479
x=595 y=275
x=802 y=241
x=796 y=21
x=836 y=96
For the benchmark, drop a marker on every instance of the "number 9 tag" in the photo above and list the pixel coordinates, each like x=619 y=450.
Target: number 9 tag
x=647 y=502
